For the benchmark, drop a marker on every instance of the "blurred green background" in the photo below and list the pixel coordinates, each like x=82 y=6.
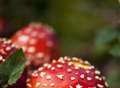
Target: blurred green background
x=85 y=28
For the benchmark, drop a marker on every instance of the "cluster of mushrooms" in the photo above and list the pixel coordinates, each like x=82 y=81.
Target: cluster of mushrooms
x=44 y=67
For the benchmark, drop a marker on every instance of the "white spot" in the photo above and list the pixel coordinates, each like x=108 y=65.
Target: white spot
x=35 y=74
x=7 y=41
x=60 y=76
x=2 y=51
x=23 y=38
x=42 y=74
x=70 y=63
x=29 y=85
x=104 y=78
x=31 y=49
x=40 y=69
x=13 y=45
x=82 y=76
x=97 y=72
x=39 y=55
x=69 y=70
x=106 y=84
x=65 y=58
x=37 y=84
x=76 y=73
x=92 y=67
x=45 y=64
x=8 y=48
x=49 y=66
x=53 y=61
x=28 y=80
x=61 y=60
x=100 y=86
x=53 y=68
x=48 y=77
x=1 y=58
x=87 y=71
x=52 y=84
x=78 y=86
x=75 y=59
x=89 y=78
x=76 y=67
x=86 y=62
x=98 y=78
x=59 y=66
x=72 y=78
x=44 y=84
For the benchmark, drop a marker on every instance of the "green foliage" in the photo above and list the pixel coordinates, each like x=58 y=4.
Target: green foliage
x=105 y=39
x=12 y=68
x=105 y=36
x=115 y=50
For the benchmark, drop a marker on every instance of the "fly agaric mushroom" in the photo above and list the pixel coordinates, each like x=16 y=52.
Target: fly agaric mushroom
x=6 y=48
x=38 y=42
x=67 y=73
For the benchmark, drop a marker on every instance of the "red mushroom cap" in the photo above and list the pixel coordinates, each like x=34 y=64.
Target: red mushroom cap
x=6 y=48
x=38 y=42
x=67 y=73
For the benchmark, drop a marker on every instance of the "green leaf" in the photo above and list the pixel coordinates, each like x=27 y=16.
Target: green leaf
x=115 y=50
x=106 y=36
x=12 y=68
